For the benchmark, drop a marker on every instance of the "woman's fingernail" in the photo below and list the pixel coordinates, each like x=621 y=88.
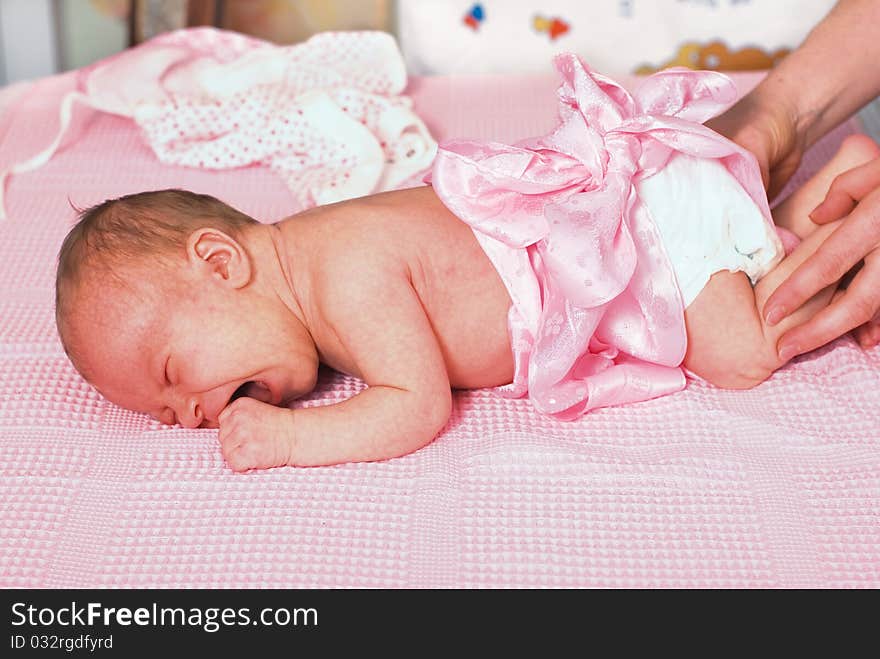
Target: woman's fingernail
x=788 y=352
x=775 y=315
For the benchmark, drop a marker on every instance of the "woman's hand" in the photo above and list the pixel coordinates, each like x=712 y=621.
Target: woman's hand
x=854 y=195
x=815 y=88
x=769 y=131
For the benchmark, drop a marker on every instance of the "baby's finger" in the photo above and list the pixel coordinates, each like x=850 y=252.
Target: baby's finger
x=229 y=437
x=227 y=412
x=224 y=414
x=855 y=307
x=237 y=460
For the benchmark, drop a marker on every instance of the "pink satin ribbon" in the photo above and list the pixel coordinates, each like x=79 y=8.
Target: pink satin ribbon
x=596 y=316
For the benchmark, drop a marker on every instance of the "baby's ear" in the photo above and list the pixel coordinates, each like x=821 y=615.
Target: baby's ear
x=220 y=256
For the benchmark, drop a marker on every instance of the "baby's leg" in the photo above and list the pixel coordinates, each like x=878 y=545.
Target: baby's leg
x=854 y=151
x=728 y=342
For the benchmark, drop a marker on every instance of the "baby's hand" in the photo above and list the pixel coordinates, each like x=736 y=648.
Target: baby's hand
x=255 y=435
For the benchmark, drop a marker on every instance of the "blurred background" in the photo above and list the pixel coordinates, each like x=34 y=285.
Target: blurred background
x=43 y=37
x=40 y=37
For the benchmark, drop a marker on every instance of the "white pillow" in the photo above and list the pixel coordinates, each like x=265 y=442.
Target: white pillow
x=613 y=36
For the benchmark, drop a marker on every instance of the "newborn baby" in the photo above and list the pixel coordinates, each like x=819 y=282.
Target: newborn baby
x=177 y=305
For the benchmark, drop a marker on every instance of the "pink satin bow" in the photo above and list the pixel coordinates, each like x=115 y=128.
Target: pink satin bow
x=596 y=317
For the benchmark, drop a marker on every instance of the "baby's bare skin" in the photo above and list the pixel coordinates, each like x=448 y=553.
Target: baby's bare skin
x=391 y=288
x=395 y=290
x=407 y=300
x=385 y=251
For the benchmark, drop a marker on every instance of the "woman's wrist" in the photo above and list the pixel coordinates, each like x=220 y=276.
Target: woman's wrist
x=782 y=111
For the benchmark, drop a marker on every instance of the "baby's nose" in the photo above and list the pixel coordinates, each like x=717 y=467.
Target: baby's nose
x=192 y=414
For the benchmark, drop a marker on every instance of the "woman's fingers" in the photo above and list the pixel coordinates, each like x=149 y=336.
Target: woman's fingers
x=858 y=235
x=868 y=335
x=855 y=307
x=847 y=190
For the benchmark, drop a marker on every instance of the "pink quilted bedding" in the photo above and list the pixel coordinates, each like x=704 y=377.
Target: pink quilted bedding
x=774 y=487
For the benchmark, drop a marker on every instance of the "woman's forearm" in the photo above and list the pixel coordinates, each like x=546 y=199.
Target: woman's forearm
x=834 y=72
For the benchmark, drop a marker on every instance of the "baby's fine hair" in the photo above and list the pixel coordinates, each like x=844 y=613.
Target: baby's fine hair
x=130 y=228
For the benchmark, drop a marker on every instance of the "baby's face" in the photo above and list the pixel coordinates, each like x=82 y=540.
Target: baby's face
x=184 y=360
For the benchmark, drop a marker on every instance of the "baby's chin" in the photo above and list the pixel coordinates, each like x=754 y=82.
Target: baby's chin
x=296 y=385
x=260 y=390
x=300 y=384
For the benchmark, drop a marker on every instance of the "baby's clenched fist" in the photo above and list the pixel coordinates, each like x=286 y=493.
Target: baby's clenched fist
x=255 y=435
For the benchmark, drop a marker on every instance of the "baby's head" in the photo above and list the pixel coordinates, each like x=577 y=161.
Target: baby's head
x=171 y=303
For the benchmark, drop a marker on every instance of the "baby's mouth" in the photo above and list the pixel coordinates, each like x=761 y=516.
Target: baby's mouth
x=253 y=389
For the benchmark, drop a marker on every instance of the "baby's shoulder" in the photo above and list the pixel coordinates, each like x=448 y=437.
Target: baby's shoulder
x=362 y=246
x=349 y=259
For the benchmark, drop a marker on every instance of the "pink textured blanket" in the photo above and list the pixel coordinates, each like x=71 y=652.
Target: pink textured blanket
x=774 y=487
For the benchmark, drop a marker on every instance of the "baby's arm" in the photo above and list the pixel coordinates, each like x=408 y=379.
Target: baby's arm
x=729 y=343
x=382 y=325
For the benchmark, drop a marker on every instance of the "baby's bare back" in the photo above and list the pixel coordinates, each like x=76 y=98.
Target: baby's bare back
x=403 y=238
